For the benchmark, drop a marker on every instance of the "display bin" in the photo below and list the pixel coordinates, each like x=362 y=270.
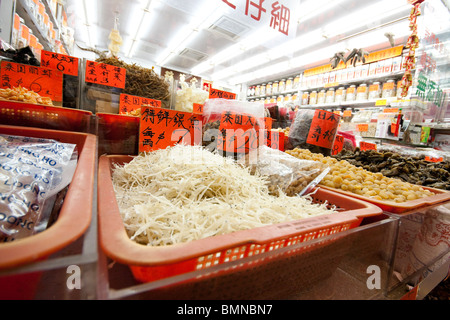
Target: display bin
x=73 y=220
x=152 y=263
x=439 y=197
x=117 y=134
x=45 y=117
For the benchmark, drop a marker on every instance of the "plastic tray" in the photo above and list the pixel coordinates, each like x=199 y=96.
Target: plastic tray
x=74 y=217
x=118 y=134
x=45 y=117
x=153 y=263
x=439 y=197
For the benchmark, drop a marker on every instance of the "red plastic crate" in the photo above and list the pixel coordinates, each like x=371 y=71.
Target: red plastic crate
x=118 y=134
x=152 y=263
x=439 y=197
x=45 y=117
x=73 y=220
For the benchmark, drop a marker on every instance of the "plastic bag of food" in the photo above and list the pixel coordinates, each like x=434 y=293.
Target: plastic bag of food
x=293 y=176
x=314 y=130
x=227 y=119
x=32 y=173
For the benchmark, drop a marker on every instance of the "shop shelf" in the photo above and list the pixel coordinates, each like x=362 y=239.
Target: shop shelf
x=73 y=220
x=152 y=263
x=439 y=197
x=45 y=117
x=117 y=134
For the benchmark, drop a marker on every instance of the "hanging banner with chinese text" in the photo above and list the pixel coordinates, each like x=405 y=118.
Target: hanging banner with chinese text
x=105 y=74
x=162 y=128
x=44 y=81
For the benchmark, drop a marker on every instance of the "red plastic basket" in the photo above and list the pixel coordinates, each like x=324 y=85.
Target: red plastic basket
x=118 y=134
x=45 y=117
x=153 y=263
x=439 y=197
x=73 y=220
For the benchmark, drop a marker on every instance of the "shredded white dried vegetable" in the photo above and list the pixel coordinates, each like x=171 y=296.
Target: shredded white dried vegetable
x=185 y=193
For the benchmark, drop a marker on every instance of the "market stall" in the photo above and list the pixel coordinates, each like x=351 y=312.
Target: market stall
x=320 y=177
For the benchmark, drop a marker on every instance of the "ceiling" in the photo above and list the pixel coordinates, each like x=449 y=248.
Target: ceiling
x=229 y=42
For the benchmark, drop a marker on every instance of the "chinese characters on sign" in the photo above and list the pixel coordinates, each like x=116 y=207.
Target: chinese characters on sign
x=65 y=64
x=129 y=103
x=46 y=82
x=367 y=146
x=162 y=128
x=429 y=91
x=323 y=129
x=338 y=144
x=219 y=94
x=279 y=14
x=104 y=74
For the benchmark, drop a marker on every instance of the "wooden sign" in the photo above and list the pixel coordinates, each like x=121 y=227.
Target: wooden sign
x=61 y=62
x=105 y=74
x=44 y=81
x=323 y=129
x=162 y=128
x=363 y=146
x=219 y=94
x=129 y=103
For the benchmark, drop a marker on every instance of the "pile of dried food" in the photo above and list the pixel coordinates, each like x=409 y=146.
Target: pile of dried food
x=185 y=193
x=348 y=177
x=141 y=82
x=24 y=95
x=412 y=169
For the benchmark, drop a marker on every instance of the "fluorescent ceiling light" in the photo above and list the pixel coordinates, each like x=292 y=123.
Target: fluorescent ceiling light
x=366 y=16
x=313 y=8
x=188 y=33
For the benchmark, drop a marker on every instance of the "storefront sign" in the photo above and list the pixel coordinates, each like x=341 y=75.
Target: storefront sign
x=105 y=74
x=162 y=128
x=44 y=81
x=129 y=103
x=61 y=62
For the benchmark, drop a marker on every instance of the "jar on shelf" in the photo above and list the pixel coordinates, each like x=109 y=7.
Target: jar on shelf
x=339 y=96
x=313 y=98
x=296 y=83
x=321 y=97
x=249 y=92
x=374 y=91
x=275 y=87
x=388 y=89
x=269 y=89
x=273 y=99
x=280 y=99
x=288 y=98
x=258 y=90
x=282 y=85
x=263 y=89
x=351 y=93
x=362 y=93
x=330 y=95
x=289 y=84
x=305 y=98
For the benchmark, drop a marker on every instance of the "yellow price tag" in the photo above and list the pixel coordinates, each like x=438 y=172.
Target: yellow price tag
x=381 y=102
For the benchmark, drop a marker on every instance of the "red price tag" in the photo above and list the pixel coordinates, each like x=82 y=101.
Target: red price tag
x=363 y=146
x=219 y=94
x=239 y=133
x=274 y=139
x=46 y=82
x=432 y=159
x=323 y=129
x=362 y=127
x=268 y=123
x=162 y=128
x=129 y=103
x=338 y=144
x=61 y=62
x=198 y=108
x=105 y=74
